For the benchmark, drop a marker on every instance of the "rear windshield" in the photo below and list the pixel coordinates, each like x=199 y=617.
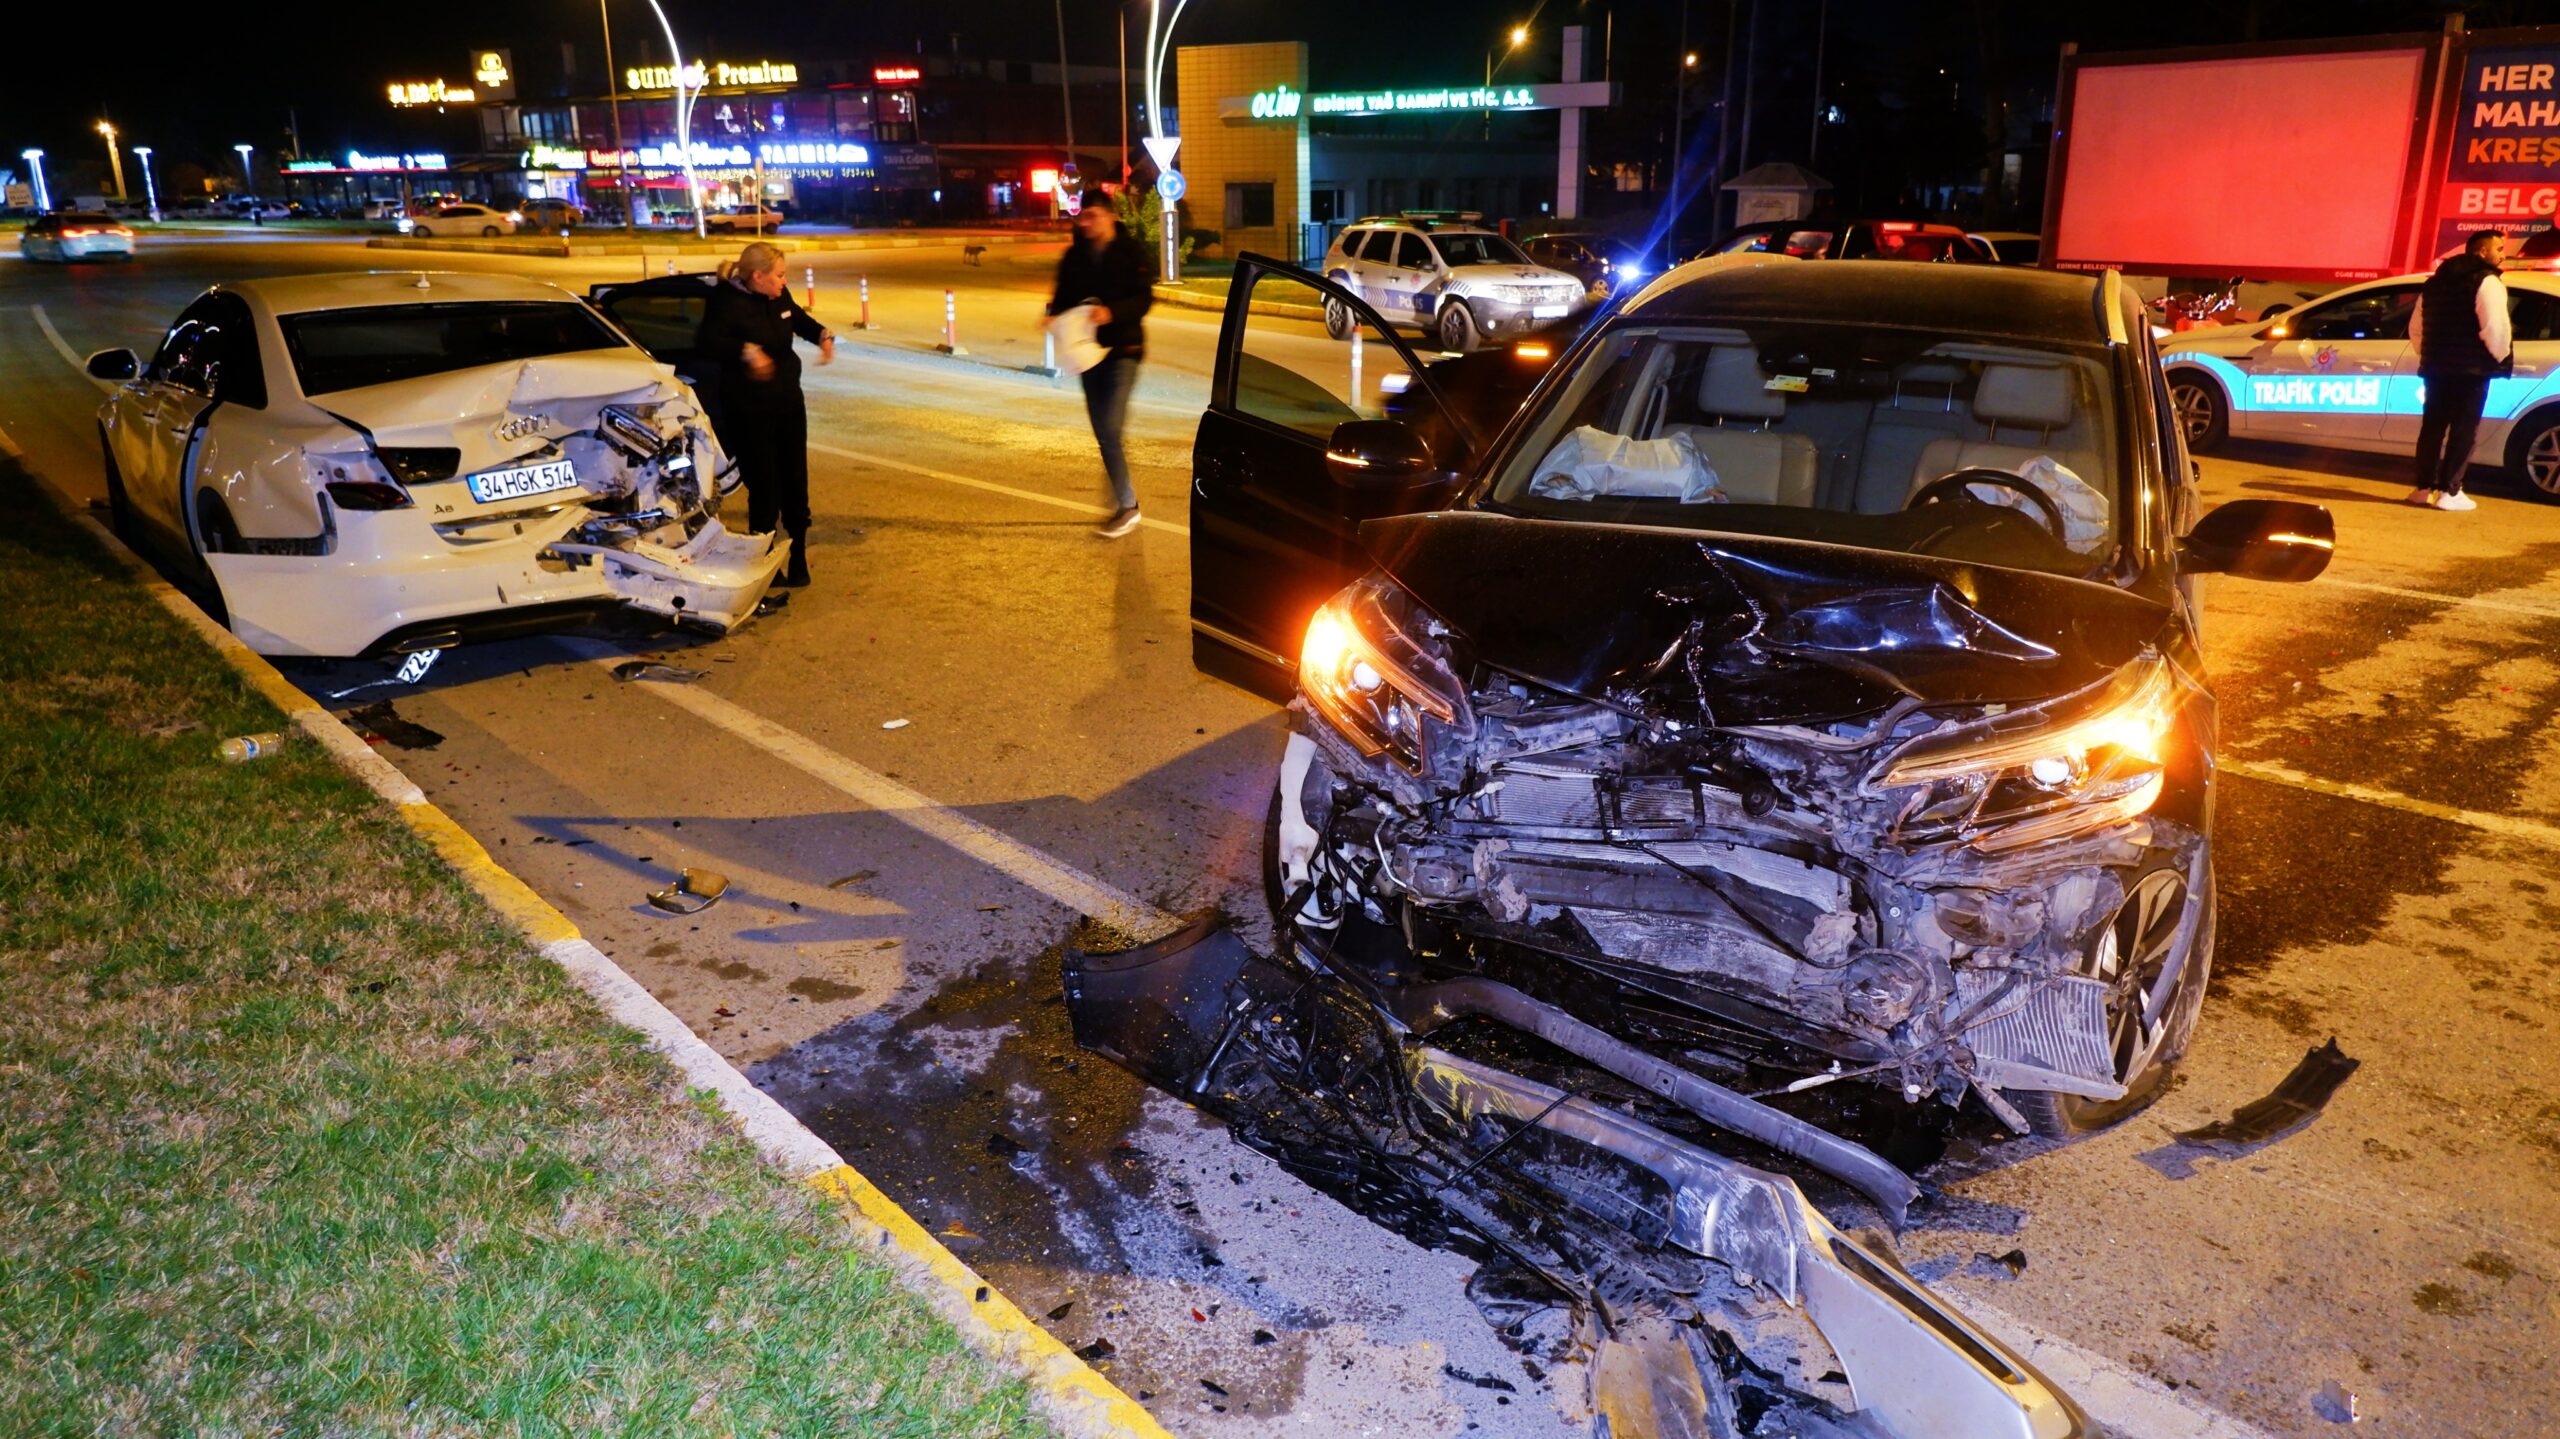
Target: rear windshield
x=349 y=349
x=1478 y=250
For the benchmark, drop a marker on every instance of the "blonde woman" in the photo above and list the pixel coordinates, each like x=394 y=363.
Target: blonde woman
x=747 y=330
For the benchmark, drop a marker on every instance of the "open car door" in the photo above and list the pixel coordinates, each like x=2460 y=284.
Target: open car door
x=662 y=315
x=1273 y=519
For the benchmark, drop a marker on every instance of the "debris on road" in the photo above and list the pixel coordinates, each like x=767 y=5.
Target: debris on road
x=1097 y=1350
x=893 y=724
x=1627 y=1234
x=857 y=877
x=381 y=722
x=693 y=892
x=2296 y=1102
x=1999 y=1266
x=413 y=668
x=240 y=749
x=2335 y=1403
x=658 y=670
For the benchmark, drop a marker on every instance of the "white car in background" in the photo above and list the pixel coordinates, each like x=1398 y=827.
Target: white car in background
x=1456 y=281
x=463 y=219
x=74 y=235
x=2341 y=372
x=373 y=463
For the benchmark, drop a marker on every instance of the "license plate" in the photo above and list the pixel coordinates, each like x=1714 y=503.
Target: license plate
x=1548 y=312
x=515 y=484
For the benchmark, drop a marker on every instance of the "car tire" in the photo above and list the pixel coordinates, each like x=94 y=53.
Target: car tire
x=120 y=516
x=2203 y=413
x=2067 y=1116
x=421 y=232
x=2534 y=454
x=490 y=232
x=1456 y=327
x=1339 y=322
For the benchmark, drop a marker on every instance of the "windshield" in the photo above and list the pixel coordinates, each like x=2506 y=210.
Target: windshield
x=1472 y=249
x=1840 y=434
x=348 y=349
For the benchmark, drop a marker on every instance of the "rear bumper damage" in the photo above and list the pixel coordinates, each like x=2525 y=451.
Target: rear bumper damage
x=1626 y=1226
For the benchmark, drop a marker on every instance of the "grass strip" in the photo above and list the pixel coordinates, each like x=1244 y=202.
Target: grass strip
x=301 y=1139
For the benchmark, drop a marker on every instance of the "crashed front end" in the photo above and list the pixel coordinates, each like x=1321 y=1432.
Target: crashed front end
x=569 y=486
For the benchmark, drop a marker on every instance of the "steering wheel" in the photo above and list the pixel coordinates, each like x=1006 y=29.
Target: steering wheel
x=1949 y=486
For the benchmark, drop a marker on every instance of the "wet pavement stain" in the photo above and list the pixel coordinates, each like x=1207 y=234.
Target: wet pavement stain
x=2445 y=1300
x=824 y=991
x=911 y=1102
x=2491 y=1263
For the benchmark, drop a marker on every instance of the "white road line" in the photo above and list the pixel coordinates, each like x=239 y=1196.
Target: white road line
x=2467 y=601
x=61 y=347
x=1034 y=496
x=1034 y=869
x=2505 y=826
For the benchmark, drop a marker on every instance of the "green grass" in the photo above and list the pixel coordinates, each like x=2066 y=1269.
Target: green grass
x=300 y=1139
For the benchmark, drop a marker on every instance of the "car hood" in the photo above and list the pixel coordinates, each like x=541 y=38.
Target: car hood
x=546 y=398
x=1511 y=275
x=1753 y=630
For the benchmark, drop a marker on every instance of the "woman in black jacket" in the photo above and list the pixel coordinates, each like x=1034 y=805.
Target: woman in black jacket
x=747 y=329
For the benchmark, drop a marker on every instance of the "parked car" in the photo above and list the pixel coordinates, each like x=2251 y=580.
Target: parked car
x=381 y=210
x=1856 y=240
x=252 y=207
x=548 y=213
x=1601 y=262
x=465 y=219
x=1454 y=280
x=735 y=219
x=2340 y=372
x=366 y=463
x=76 y=235
x=2011 y=247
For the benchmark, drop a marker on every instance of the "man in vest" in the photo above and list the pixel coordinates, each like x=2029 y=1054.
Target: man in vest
x=2460 y=329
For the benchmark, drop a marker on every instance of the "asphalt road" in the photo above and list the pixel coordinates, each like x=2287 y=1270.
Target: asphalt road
x=887 y=961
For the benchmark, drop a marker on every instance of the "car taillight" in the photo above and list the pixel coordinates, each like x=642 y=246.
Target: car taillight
x=121 y=230
x=70 y=232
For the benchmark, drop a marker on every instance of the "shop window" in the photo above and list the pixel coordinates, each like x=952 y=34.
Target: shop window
x=1249 y=206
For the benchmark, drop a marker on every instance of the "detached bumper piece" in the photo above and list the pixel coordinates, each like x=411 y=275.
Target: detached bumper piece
x=713 y=580
x=1663 y=1250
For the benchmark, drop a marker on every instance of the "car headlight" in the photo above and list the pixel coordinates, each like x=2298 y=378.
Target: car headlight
x=2032 y=776
x=1372 y=664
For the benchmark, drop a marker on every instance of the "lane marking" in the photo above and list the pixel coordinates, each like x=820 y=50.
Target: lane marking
x=61 y=346
x=1027 y=865
x=2431 y=596
x=1034 y=496
x=2505 y=826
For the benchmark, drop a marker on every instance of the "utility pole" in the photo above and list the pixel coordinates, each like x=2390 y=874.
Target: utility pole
x=613 y=94
x=293 y=128
x=1821 y=34
x=1750 y=87
x=1066 y=93
x=1679 y=111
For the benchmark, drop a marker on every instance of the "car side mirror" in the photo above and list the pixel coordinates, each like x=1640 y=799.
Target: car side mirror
x=1379 y=455
x=114 y=365
x=2283 y=540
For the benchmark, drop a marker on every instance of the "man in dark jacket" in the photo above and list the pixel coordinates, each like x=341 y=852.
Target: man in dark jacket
x=2460 y=328
x=1108 y=269
x=747 y=328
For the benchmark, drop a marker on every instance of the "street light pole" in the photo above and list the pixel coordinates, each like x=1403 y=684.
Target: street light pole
x=150 y=192
x=115 y=157
x=35 y=161
x=1159 y=38
x=248 y=177
x=613 y=98
x=684 y=124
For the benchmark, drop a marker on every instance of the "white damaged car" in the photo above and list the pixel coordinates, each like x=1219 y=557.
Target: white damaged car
x=373 y=463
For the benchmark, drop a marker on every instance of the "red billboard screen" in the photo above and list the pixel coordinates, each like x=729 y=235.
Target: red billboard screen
x=2276 y=166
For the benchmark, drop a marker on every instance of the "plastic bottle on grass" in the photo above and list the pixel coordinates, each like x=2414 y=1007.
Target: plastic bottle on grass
x=240 y=749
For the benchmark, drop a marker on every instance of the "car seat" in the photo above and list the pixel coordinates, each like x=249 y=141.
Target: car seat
x=1754 y=466
x=2028 y=398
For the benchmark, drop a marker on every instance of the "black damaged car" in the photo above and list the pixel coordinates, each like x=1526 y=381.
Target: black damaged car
x=1801 y=687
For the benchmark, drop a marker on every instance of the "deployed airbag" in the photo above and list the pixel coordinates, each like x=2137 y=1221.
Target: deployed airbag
x=1592 y=462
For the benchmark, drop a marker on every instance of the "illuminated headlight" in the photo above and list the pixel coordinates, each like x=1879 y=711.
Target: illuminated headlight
x=2033 y=776
x=515 y=217
x=1372 y=665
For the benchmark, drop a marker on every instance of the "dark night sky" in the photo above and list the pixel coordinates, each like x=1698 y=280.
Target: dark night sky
x=232 y=82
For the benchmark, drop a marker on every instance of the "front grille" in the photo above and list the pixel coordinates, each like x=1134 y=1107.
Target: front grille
x=1573 y=800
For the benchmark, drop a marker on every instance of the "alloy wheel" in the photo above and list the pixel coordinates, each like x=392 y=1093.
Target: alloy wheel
x=2194 y=409
x=2134 y=959
x=2542 y=460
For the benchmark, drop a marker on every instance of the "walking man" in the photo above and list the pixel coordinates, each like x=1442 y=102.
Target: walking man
x=1109 y=270
x=747 y=328
x=2460 y=329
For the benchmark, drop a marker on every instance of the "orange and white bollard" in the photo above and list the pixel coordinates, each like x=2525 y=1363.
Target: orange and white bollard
x=809 y=274
x=950 y=325
x=864 y=281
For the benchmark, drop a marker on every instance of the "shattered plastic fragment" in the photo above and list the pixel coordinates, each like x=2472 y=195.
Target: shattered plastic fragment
x=630 y=670
x=893 y=724
x=2295 y=1102
x=2335 y=1403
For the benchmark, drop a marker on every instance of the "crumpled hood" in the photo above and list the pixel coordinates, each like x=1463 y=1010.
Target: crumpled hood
x=1510 y=275
x=559 y=394
x=1757 y=631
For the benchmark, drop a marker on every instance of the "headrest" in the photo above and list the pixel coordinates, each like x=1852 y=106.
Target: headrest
x=2023 y=395
x=1734 y=386
x=1932 y=382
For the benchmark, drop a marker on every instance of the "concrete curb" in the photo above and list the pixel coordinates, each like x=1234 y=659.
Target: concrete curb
x=1180 y=298
x=1070 y=1393
x=556 y=247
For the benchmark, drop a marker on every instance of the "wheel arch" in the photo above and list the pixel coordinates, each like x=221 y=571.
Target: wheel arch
x=2542 y=412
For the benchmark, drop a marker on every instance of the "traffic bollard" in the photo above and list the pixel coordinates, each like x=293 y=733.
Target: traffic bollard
x=950 y=325
x=810 y=274
x=671 y=268
x=1356 y=400
x=864 y=281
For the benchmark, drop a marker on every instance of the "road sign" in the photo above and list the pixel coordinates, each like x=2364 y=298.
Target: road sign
x=1170 y=184
x=1160 y=148
x=1070 y=202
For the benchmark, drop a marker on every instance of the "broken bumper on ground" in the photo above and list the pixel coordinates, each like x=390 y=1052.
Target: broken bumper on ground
x=1622 y=1220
